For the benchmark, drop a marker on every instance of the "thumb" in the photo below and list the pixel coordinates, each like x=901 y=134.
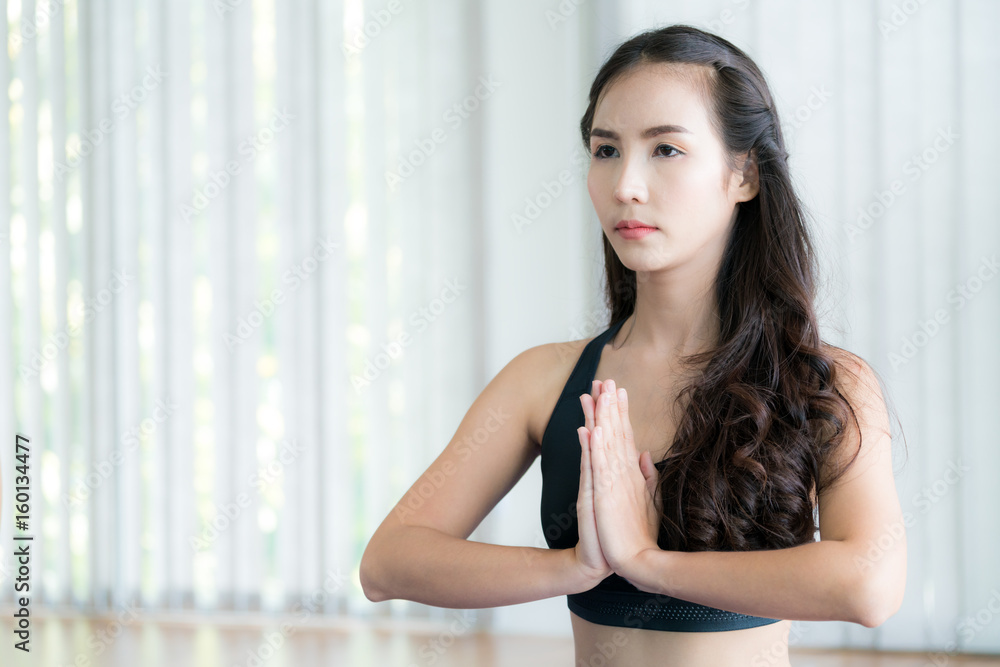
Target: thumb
x=651 y=475
x=647 y=467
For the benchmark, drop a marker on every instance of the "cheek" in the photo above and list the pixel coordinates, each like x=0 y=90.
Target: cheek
x=699 y=189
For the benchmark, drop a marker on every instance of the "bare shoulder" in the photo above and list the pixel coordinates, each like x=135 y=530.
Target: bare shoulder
x=547 y=367
x=867 y=430
x=494 y=445
x=855 y=378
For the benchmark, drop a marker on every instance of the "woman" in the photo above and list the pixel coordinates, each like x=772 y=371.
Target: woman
x=713 y=367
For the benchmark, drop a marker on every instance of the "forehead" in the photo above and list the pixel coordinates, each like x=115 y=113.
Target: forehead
x=655 y=94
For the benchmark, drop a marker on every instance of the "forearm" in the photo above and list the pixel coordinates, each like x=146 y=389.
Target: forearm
x=817 y=581
x=431 y=567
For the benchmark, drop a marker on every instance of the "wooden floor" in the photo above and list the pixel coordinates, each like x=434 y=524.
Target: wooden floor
x=73 y=641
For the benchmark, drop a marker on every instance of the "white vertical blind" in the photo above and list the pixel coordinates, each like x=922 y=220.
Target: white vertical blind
x=100 y=338
x=182 y=302
x=199 y=193
x=124 y=239
x=337 y=504
x=973 y=356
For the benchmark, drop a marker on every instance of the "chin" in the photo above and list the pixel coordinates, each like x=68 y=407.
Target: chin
x=643 y=267
x=642 y=258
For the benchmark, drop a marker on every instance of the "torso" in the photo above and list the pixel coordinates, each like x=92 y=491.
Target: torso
x=628 y=647
x=652 y=387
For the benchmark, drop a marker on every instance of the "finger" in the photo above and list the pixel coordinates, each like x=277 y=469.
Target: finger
x=626 y=423
x=590 y=404
x=653 y=482
x=586 y=480
x=649 y=472
x=616 y=437
x=646 y=465
x=613 y=465
x=595 y=389
x=588 y=411
x=601 y=416
x=598 y=462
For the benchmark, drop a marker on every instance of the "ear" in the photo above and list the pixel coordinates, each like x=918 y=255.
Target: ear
x=750 y=185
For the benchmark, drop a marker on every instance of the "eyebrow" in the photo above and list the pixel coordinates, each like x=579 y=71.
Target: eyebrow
x=646 y=134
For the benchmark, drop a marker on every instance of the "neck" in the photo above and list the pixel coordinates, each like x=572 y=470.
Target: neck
x=675 y=315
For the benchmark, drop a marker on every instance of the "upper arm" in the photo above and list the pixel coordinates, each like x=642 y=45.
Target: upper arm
x=490 y=451
x=862 y=506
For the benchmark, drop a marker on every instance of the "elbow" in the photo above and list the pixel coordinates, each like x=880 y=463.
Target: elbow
x=879 y=596
x=872 y=616
x=368 y=574
x=368 y=586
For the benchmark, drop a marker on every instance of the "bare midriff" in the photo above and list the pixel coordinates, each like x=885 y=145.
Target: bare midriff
x=613 y=646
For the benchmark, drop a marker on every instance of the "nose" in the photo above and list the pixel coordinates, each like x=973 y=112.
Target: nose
x=631 y=186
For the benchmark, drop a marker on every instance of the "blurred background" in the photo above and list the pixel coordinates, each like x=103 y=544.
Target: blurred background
x=261 y=256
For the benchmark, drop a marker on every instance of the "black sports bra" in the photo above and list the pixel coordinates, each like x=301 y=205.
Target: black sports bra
x=614 y=601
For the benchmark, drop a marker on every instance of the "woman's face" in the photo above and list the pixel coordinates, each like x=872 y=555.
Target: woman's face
x=675 y=180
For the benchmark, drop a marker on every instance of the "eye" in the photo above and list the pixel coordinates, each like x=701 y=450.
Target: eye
x=599 y=155
x=668 y=147
x=603 y=156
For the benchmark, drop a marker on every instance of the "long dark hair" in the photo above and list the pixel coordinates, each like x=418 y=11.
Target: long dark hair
x=765 y=414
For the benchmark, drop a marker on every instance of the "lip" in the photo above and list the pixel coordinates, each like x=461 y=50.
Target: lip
x=633 y=224
x=634 y=232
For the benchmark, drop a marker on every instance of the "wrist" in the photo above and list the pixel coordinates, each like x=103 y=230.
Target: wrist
x=637 y=570
x=583 y=578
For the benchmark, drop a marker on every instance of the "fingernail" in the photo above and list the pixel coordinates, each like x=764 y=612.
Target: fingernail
x=621 y=395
